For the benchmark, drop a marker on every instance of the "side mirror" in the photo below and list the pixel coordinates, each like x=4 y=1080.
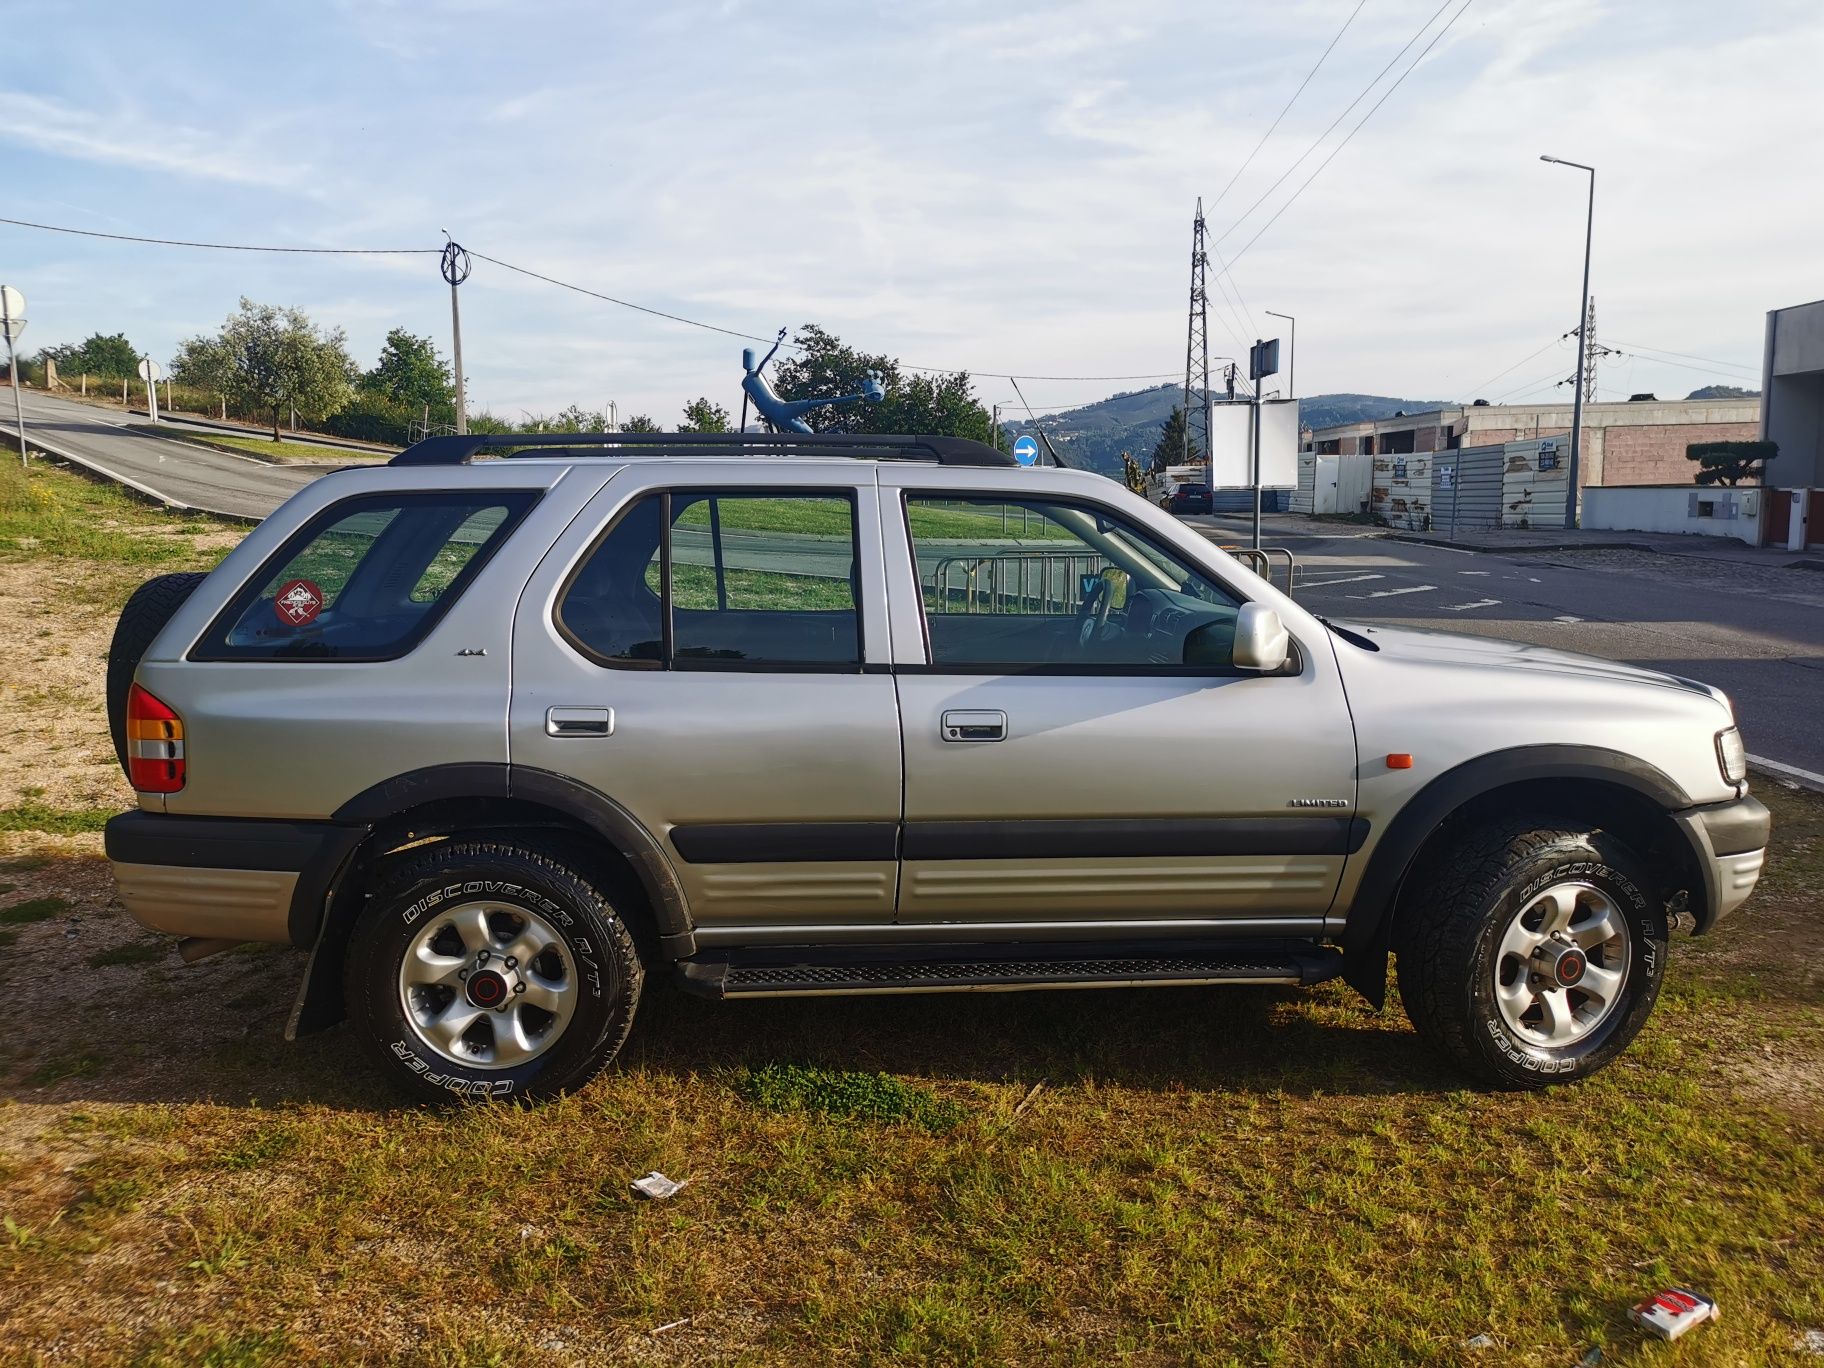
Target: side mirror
x=1261 y=640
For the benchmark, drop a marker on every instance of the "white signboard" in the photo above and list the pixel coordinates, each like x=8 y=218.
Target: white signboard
x=1231 y=438
x=12 y=313
x=148 y=369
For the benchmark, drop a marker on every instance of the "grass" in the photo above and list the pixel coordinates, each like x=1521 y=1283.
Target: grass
x=133 y=952
x=33 y=910
x=1226 y=1177
x=283 y=451
x=107 y=540
x=54 y=821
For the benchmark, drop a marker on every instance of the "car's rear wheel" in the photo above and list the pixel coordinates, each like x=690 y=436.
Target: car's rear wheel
x=488 y=970
x=1530 y=951
x=146 y=612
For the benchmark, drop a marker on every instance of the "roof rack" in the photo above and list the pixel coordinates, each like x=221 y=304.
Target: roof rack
x=955 y=451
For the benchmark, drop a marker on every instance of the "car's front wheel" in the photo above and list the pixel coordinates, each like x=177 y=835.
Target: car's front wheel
x=491 y=970
x=1531 y=952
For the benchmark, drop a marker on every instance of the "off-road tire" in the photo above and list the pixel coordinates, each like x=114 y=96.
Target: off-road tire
x=1451 y=919
x=517 y=874
x=144 y=617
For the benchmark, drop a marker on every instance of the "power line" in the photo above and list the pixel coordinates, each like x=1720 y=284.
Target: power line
x=1516 y=366
x=536 y=275
x=1684 y=365
x=1734 y=365
x=1289 y=103
x=227 y=246
x=1555 y=378
x=1317 y=141
x=1352 y=132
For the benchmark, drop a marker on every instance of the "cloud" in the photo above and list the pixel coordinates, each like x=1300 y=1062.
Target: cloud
x=128 y=138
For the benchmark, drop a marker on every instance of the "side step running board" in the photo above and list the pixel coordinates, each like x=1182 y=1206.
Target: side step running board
x=749 y=979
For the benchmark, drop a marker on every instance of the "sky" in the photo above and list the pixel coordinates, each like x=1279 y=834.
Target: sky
x=1004 y=187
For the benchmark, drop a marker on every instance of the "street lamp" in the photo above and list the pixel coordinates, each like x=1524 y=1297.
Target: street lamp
x=1292 y=363
x=1583 y=343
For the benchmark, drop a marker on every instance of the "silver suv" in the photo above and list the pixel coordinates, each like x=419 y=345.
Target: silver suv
x=494 y=739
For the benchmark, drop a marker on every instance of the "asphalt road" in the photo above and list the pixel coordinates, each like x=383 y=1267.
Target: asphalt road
x=1757 y=632
x=177 y=473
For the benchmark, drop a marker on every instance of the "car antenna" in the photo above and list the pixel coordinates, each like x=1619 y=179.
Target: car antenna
x=1056 y=459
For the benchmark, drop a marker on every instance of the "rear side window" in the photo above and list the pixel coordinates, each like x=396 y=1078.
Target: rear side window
x=366 y=579
x=721 y=580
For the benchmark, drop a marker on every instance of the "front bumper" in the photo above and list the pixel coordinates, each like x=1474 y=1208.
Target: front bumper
x=1730 y=843
x=226 y=878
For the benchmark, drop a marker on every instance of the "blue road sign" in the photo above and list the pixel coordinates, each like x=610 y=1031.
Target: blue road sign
x=1026 y=451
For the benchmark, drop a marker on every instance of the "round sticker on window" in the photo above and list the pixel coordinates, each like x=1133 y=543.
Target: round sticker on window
x=298 y=602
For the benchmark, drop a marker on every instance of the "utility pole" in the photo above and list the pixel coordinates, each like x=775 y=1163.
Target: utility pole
x=1590 y=352
x=456 y=268
x=1589 y=234
x=1197 y=343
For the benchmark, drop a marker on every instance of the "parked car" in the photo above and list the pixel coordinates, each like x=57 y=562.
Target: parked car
x=1190 y=498
x=493 y=740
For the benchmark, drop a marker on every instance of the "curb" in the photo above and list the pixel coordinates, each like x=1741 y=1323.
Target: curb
x=1790 y=774
x=1498 y=550
x=127 y=482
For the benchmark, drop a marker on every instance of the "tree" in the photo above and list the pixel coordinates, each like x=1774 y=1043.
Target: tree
x=824 y=368
x=111 y=356
x=640 y=423
x=202 y=363
x=1171 y=449
x=700 y=415
x=277 y=359
x=1730 y=463
x=410 y=372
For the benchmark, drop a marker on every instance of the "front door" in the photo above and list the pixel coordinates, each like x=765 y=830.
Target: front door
x=1078 y=745
x=695 y=649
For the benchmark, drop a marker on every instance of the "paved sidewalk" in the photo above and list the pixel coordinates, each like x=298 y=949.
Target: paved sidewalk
x=1513 y=540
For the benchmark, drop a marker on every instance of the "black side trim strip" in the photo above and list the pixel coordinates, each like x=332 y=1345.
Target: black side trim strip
x=215 y=842
x=1138 y=836
x=777 y=842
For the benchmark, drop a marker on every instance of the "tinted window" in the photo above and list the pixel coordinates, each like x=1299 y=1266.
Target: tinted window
x=365 y=579
x=754 y=580
x=1039 y=584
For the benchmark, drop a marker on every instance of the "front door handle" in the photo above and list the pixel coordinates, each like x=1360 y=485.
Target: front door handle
x=962 y=724
x=579 y=721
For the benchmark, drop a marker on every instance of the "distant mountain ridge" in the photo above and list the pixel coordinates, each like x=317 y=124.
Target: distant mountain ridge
x=1096 y=434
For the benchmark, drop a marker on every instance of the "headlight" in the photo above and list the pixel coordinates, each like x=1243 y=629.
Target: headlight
x=1731 y=755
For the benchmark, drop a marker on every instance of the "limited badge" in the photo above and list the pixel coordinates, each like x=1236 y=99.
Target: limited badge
x=298 y=602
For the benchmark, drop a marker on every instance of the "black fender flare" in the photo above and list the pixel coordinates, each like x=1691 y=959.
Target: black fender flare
x=1367 y=931
x=317 y=917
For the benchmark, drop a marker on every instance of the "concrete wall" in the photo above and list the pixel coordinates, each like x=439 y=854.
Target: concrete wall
x=1677 y=508
x=1793 y=375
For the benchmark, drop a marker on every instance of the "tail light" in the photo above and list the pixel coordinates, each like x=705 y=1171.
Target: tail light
x=155 y=744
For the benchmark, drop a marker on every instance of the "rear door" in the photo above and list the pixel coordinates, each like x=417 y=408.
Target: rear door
x=707 y=646
x=1078 y=746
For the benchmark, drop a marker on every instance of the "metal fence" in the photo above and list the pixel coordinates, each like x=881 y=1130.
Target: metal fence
x=1026 y=582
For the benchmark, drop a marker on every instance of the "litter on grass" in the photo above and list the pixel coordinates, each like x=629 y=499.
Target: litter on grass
x=655 y=1186
x=1671 y=1313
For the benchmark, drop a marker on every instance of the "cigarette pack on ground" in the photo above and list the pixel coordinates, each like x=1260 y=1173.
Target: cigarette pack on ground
x=1670 y=1313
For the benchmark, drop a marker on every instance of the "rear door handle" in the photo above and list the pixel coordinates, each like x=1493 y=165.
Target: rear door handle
x=579 y=721
x=961 y=724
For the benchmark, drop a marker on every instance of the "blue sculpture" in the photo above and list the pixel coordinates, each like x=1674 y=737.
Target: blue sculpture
x=782 y=415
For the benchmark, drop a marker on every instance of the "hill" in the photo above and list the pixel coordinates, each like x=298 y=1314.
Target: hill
x=1096 y=434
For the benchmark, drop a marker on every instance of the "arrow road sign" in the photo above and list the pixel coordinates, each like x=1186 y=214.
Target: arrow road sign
x=1026 y=451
